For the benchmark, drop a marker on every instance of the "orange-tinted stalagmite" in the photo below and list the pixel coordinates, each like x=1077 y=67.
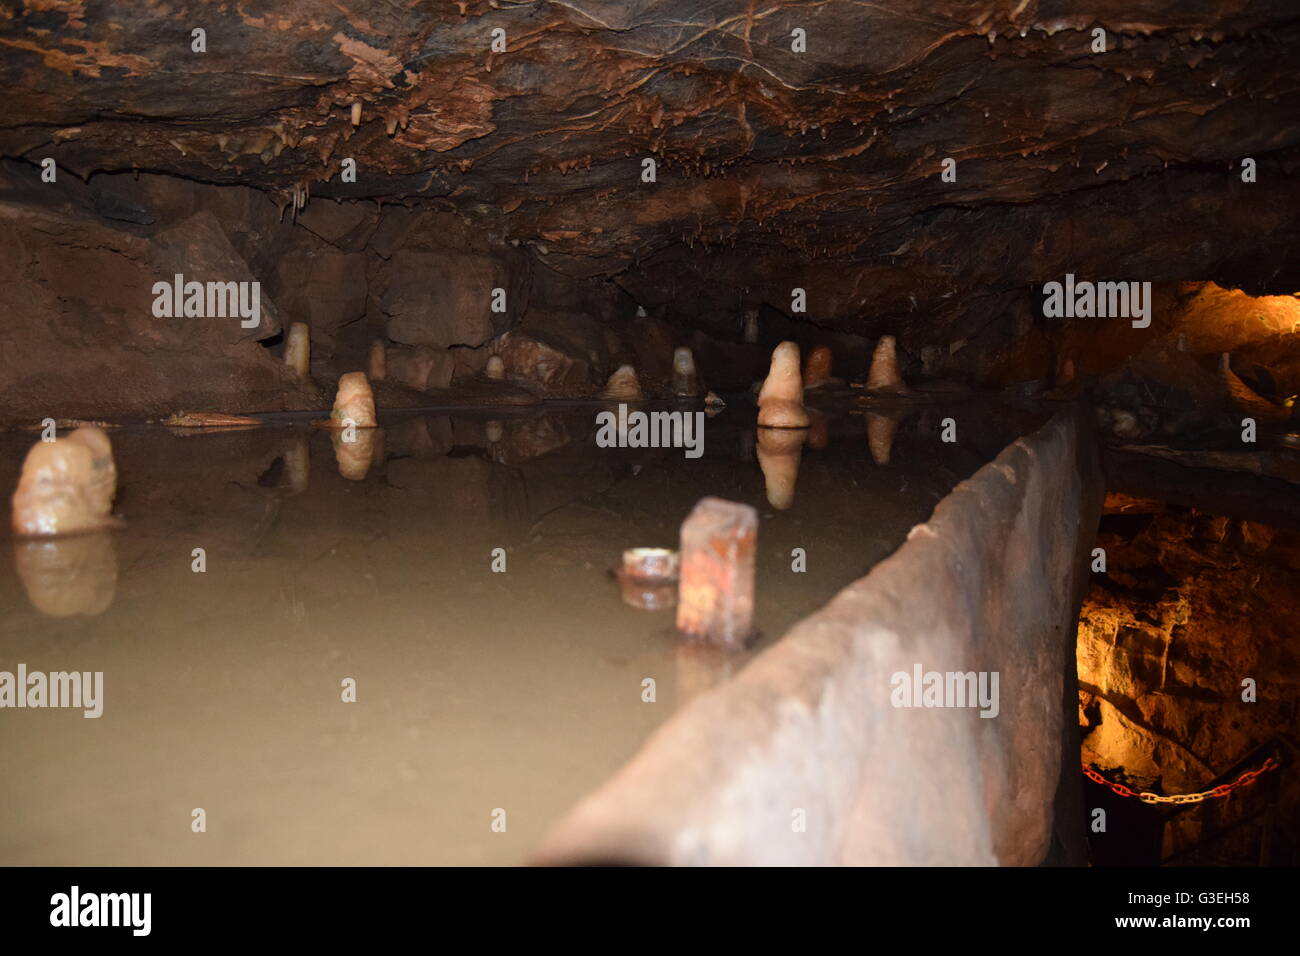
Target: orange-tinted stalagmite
x=715 y=597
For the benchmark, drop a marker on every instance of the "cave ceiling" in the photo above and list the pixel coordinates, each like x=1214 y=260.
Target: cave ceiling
x=833 y=153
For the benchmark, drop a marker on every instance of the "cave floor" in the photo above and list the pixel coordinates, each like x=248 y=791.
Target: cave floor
x=475 y=690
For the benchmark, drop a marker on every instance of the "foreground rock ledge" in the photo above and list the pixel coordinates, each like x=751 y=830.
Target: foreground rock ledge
x=809 y=726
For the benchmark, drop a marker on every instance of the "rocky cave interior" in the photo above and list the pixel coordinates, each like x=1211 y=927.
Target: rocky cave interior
x=501 y=208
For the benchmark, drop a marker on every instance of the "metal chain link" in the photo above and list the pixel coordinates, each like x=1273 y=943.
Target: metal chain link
x=1222 y=790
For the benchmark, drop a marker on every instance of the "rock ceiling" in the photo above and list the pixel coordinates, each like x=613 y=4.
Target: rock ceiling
x=1063 y=155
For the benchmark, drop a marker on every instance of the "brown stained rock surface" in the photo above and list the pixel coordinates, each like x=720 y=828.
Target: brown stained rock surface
x=776 y=169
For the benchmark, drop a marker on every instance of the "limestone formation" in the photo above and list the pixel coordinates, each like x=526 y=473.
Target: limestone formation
x=780 y=400
x=354 y=402
x=67 y=485
x=779 y=453
x=297 y=349
x=623 y=386
x=817 y=369
x=750 y=333
x=686 y=383
x=716 y=586
x=496 y=368
x=884 y=378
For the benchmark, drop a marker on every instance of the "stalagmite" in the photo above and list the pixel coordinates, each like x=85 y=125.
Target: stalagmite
x=496 y=368
x=377 y=366
x=68 y=576
x=297 y=349
x=356 y=112
x=623 y=385
x=354 y=401
x=67 y=485
x=779 y=453
x=883 y=379
x=715 y=594
x=817 y=369
x=880 y=436
x=750 y=334
x=780 y=400
x=686 y=383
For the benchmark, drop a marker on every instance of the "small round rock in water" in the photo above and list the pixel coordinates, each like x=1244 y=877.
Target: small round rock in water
x=354 y=400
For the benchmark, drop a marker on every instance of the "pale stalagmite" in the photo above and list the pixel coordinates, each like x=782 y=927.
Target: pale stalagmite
x=67 y=485
x=880 y=436
x=297 y=348
x=354 y=401
x=750 y=333
x=817 y=369
x=496 y=367
x=715 y=594
x=780 y=400
x=355 y=457
x=686 y=383
x=68 y=576
x=883 y=377
x=623 y=385
x=377 y=366
x=779 y=453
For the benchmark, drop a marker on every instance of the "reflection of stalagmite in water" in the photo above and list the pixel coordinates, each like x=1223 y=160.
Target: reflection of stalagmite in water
x=623 y=385
x=67 y=576
x=779 y=453
x=356 y=457
x=686 y=383
x=884 y=379
x=67 y=485
x=702 y=667
x=354 y=401
x=496 y=367
x=780 y=400
x=297 y=464
x=817 y=370
x=880 y=435
x=377 y=366
x=297 y=349
x=819 y=432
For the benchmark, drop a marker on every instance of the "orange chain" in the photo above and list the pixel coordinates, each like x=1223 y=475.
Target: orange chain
x=1222 y=790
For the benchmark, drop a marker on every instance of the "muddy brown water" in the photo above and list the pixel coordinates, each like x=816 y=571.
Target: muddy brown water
x=476 y=691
